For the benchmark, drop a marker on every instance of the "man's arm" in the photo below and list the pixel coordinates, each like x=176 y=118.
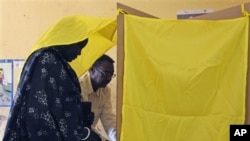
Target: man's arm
x=108 y=118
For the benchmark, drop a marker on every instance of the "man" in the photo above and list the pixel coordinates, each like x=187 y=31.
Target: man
x=94 y=87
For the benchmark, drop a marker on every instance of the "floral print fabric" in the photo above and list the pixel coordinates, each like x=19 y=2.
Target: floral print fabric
x=47 y=103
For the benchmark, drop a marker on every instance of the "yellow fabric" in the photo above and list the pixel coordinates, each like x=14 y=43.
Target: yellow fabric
x=184 y=80
x=72 y=29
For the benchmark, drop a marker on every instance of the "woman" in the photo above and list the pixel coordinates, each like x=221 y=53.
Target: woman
x=47 y=105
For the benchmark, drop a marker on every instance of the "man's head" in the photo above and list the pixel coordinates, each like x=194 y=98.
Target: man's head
x=101 y=72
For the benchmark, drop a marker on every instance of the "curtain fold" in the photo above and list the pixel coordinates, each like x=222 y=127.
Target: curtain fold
x=184 y=80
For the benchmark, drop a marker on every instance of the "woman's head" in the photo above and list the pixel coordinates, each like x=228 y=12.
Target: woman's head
x=70 y=52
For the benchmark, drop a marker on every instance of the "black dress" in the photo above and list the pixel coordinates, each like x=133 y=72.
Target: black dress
x=47 y=103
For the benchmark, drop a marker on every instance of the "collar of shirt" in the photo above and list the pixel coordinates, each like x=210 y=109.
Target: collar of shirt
x=86 y=84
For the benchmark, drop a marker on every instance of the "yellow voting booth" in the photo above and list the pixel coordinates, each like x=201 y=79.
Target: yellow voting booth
x=99 y=31
x=181 y=80
x=176 y=80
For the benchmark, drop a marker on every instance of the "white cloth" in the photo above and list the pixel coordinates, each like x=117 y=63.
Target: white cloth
x=101 y=105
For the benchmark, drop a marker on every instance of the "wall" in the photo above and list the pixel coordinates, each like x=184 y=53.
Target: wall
x=19 y=17
x=23 y=21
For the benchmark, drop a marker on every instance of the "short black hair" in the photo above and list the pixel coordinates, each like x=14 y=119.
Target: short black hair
x=103 y=58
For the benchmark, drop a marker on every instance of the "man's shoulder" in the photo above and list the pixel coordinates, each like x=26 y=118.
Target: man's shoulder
x=106 y=89
x=85 y=83
x=84 y=78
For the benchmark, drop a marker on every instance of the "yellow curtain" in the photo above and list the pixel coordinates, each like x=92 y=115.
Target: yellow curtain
x=72 y=29
x=184 y=80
